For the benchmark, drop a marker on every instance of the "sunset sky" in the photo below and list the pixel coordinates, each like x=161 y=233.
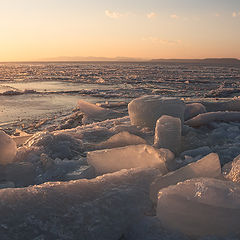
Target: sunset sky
x=42 y=29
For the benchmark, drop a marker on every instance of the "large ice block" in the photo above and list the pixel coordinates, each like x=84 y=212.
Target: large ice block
x=200 y=207
x=112 y=160
x=208 y=166
x=101 y=208
x=8 y=148
x=168 y=133
x=193 y=109
x=121 y=139
x=146 y=110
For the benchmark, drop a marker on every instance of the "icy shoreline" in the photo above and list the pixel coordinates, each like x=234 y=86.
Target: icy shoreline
x=103 y=139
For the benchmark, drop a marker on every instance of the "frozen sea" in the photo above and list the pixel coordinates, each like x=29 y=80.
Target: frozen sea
x=58 y=145
x=36 y=90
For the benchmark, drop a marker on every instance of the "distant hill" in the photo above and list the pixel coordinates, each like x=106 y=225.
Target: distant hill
x=206 y=60
x=93 y=59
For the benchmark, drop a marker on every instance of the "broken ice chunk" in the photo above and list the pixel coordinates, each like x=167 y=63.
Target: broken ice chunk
x=97 y=113
x=112 y=160
x=234 y=174
x=8 y=148
x=206 y=118
x=145 y=111
x=121 y=139
x=201 y=207
x=168 y=133
x=208 y=166
x=193 y=109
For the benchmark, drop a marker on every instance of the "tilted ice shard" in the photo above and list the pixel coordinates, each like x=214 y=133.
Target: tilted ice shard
x=201 y=207
x=208 y=166
x=234 y=174
x=193 y=109
x=112 y=160
x=101 y=208
x=8 y=148
x=146 y=110
x=168 y=133
x=121 y=139
x=205 y=118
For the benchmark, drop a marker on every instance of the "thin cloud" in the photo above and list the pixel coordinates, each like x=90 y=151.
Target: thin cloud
x=217 y=15
x=161 y=41
x=174 y=16
x=151 y=15
x=114 y=15
x=234 y=14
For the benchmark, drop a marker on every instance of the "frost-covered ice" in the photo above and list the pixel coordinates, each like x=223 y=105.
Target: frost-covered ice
x=8 y=148
x=208 y=166
x=206 y=118
x=83 y=171
x=57 y=145
x=112 y=160
x=168 y=133
x=193 y=109
x=201 y=207
x=145 y=111
x=102 y=208
x=121 y=139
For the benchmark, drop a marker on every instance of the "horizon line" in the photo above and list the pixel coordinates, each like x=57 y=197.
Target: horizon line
x=121 y=59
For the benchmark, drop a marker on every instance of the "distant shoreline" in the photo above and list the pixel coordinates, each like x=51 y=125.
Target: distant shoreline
x=195 y=61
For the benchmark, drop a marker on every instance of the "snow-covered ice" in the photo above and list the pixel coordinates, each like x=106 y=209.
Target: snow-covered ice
x=8 y=148
x=208 y=166
x=168 y=133
x=146 y=110
x=112 y=160
x=201 y=207
x=102 y=208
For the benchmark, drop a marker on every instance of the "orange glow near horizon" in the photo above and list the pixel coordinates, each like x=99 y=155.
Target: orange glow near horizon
x=32 y=31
